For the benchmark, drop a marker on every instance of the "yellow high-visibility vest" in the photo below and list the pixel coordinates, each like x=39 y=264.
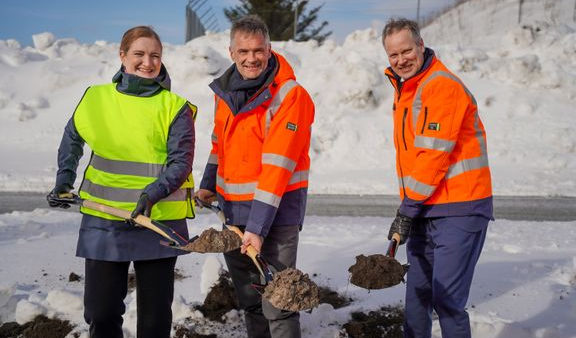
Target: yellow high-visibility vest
x=128 y=136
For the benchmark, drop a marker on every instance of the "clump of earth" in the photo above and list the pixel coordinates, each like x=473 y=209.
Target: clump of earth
x=183 y=332
x=385 y=323
x=40 y=327
x=376 y=272
x=212 y=240
x=329 y=296
x=292 y=290
x=220 y=299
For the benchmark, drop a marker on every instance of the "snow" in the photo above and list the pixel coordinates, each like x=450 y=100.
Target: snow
x=524 y=285
x=522 y=75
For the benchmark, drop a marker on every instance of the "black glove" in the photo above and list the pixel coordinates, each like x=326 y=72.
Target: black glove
x=143 y=207
x=53 y=196
x=401 y=225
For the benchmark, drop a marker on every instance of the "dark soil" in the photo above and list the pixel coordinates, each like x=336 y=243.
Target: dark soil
x=219 y=300
x=182 y=332
x=74 y=277
x=212 y=240
x=292 y=290
x=376 y=272
x=384 y=323
x=40 y=327
x=329 y=296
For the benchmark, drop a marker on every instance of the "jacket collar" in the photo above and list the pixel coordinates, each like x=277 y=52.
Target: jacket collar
x=134 y=85
x=281 y=73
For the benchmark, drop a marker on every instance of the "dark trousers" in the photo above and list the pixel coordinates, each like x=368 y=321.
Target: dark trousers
x=106 y=287
x=262 y=319
x=442 y=253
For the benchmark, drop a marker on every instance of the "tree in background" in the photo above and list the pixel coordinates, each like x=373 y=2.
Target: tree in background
x=280 y=15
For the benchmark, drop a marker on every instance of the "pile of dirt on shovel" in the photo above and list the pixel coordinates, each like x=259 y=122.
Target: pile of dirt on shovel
x=292 y=290
x=376 y=272
x=212 y=240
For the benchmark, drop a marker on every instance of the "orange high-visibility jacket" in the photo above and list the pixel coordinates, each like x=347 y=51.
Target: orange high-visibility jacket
x=259 y=160
x=441 y=154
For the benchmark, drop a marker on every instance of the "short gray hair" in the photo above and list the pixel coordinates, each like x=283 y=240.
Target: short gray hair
x=397 y=24
x=251 y=24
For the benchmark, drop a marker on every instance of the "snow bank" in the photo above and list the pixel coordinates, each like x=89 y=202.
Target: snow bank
x=522 y=75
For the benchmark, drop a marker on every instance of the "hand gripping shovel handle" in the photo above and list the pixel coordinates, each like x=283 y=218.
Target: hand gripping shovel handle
x=393 y=246
x=253 y=254
x=159 y=228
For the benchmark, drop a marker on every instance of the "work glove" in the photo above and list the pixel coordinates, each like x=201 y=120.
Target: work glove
x=54 y=195
x=401 y=225
x=143 y=207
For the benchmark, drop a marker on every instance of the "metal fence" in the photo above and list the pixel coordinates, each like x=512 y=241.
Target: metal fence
x=199 y=19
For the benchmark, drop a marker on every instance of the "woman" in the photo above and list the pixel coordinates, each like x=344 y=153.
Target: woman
x=142 y=141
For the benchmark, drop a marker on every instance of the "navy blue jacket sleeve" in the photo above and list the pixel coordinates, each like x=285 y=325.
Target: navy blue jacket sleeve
x=69 y=153
x=180 y=146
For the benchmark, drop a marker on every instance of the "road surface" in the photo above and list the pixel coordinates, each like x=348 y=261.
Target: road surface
x=529 y=208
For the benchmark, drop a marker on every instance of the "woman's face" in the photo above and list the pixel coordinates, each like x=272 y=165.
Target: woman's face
x=143 y=58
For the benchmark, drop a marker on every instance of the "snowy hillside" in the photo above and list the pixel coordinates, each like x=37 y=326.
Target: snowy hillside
x=524 y=80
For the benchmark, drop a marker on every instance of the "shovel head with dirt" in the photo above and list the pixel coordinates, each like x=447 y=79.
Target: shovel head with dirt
x=378 y=271
x=285 y=288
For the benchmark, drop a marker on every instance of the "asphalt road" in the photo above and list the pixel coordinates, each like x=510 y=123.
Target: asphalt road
x=530 y=208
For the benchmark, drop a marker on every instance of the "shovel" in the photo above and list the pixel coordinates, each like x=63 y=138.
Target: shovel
x=379 y=271
x=175 y=240
x=266 y=270
x=287 y=289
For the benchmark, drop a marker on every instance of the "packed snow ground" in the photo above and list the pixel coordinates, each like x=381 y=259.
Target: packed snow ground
x=522 y=75
x=525 y=283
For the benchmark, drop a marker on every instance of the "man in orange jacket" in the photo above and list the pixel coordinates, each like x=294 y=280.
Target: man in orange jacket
x=445 y=183
x=258 y=166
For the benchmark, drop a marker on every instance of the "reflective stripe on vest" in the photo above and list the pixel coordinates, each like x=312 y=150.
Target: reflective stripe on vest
x=248 y=188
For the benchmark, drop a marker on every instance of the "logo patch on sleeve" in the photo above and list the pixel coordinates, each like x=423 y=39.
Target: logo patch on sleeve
x=291 y=126
x=434 y=126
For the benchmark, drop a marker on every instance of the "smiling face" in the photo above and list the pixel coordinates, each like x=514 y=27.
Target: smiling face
x=250 y=52
x=405 y=54
x=143 y=58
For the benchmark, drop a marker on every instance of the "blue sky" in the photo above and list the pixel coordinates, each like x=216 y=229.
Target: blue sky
x=88 y=21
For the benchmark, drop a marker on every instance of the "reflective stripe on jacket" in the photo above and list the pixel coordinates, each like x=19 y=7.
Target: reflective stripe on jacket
x=128 y=136
x=442 y=160
x=259 y=160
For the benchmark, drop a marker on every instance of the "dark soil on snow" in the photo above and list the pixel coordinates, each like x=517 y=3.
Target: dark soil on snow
x=220 y=299
x=40 y=327
x=182 y=332
x=329 y=296
x=383 y=323
x=376 y=272
x=212 y=240
x=292 y=290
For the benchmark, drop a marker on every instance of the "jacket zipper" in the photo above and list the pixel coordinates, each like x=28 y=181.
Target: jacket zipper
x=403 y=127
x=425 y=118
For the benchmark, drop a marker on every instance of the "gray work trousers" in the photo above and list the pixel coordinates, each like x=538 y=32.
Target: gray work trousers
x=262 y=319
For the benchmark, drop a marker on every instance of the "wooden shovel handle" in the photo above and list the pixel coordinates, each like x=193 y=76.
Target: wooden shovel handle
x=393 y=246
x=142 y=220
x=250 y=251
